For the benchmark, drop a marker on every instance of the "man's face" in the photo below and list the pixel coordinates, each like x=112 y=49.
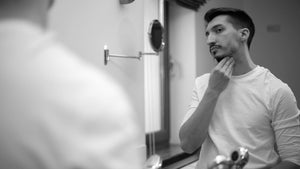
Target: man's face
x=222 y=38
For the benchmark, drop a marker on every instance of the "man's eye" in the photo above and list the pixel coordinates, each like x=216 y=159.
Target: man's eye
x=218 y=30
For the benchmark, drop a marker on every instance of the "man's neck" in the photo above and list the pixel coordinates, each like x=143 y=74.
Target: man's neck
x=243 y=64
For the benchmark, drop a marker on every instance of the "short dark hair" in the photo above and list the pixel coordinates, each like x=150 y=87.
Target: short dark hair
x=238 y=18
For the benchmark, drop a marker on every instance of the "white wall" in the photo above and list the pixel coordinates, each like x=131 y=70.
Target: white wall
x=87 y=25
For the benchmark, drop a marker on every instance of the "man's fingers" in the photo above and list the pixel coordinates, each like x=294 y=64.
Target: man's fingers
x=221 y=63
x=229 y=68
x=226 y=64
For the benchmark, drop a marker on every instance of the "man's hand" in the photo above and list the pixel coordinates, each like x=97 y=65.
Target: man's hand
x=220 y=75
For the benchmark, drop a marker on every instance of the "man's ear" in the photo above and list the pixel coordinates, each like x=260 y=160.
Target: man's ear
x=244 y=34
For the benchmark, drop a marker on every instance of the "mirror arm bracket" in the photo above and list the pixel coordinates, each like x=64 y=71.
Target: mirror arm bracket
x=147 y=53
x=107 y=55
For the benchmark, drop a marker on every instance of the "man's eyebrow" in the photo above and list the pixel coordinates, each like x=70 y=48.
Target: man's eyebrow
x=214 y=27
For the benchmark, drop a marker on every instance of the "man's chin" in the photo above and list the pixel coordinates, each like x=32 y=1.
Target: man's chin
x=217 y=56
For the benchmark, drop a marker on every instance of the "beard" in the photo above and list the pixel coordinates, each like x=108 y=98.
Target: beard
x=221 y=56
x=216 y=56
x=218 y=59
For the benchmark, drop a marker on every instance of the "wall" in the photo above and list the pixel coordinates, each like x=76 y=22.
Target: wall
x=276 y=43
x=87 y=25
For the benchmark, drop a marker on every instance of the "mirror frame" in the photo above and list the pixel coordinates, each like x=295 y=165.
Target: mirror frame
x=151 y=34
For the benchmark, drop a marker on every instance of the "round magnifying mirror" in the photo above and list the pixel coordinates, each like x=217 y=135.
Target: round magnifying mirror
x=156 y=37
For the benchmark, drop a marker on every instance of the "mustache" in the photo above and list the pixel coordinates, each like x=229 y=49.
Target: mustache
x=211 y=47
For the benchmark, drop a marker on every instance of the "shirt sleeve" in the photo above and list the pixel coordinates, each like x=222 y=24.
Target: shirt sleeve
x=286 y=124
x=197 y=94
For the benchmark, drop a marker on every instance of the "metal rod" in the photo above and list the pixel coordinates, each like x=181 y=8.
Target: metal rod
x=141 y=53
x=124 y=56
x=107 y=55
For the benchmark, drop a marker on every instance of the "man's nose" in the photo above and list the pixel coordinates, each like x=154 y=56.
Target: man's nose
x=210 y=39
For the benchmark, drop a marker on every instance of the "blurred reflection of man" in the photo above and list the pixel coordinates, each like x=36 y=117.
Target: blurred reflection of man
x=57 y=112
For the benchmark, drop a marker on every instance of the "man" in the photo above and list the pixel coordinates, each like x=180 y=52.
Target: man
x=240 y=103
x=56 y=111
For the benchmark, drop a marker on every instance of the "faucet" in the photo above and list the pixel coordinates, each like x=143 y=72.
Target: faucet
x=238 y=159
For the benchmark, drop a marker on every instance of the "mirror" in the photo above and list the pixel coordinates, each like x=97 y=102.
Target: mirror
x=156 y=37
